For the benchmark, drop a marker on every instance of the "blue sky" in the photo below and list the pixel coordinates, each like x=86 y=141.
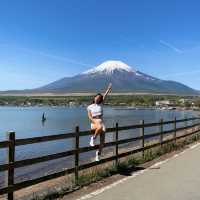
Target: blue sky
x=42 y=41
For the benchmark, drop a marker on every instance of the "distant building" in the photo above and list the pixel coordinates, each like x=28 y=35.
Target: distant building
x=166 y=103
x=183 y=101
x=28 y=103
x=72 y=103
x=122 y=104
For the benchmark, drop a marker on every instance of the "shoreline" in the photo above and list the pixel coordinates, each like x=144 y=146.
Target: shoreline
x=117 y=107
x=126 y=100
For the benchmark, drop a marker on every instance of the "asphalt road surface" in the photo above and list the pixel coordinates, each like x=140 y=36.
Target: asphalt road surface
x=177 y=178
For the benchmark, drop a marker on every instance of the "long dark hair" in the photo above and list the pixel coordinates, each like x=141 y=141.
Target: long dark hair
x=101 y=98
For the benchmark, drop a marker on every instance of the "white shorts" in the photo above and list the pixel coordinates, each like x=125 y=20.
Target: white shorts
x=100 y=121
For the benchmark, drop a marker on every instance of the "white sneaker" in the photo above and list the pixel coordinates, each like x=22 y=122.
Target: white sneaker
x=92 y=142
x=97 y=158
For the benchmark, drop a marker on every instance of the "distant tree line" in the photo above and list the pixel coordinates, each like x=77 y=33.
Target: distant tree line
x=115 y=100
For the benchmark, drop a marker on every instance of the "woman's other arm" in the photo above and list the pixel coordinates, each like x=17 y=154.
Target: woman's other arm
x=90 y=116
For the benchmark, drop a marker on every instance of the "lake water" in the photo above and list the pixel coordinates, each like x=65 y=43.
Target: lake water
x=26 y=122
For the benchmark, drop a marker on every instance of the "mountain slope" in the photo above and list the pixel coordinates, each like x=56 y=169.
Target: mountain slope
x=123 y=77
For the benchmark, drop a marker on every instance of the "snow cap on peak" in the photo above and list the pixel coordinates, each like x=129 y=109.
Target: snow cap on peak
x=109 y=67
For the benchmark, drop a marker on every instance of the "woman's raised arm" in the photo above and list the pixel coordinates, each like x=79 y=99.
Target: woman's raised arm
x=107 y=91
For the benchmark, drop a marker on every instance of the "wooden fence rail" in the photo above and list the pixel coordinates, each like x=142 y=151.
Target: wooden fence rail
x=13 y=164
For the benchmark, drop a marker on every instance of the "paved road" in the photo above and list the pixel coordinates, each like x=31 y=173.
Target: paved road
x=176 y=179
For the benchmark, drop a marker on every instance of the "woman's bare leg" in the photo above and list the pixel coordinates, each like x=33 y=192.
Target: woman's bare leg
x=97 y=127
x=98 y=131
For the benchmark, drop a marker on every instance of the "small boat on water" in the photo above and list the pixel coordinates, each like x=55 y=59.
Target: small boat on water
x=43 y=117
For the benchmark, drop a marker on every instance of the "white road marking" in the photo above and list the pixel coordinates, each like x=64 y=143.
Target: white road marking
x=99 y=191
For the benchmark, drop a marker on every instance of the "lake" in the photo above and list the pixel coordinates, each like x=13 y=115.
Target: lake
x=26 y=122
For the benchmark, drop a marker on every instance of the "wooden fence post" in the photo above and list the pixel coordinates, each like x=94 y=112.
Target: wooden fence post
x=116 y=146
x=76 y=154
x=11 y=159
x=142 y=135
x=161 y=132
x=175 y=127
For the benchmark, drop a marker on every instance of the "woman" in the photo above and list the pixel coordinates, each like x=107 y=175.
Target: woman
x=95 y=114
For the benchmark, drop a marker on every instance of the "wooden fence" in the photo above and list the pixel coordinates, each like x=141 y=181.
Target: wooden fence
x=13 y=164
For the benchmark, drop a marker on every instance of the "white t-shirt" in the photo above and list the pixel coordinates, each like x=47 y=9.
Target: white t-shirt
x=95 y=109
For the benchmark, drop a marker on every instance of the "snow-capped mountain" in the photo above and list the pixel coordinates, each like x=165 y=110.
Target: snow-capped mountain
x=123 y=77
x=109 y=67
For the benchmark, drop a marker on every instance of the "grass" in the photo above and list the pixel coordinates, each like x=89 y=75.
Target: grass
x=129 y=164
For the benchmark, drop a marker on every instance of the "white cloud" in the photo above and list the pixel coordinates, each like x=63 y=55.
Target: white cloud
x=55 y=57
x=69 y=60
x=172 y=47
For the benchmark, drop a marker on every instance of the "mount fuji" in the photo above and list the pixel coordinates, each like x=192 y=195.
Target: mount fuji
x=123 y=78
